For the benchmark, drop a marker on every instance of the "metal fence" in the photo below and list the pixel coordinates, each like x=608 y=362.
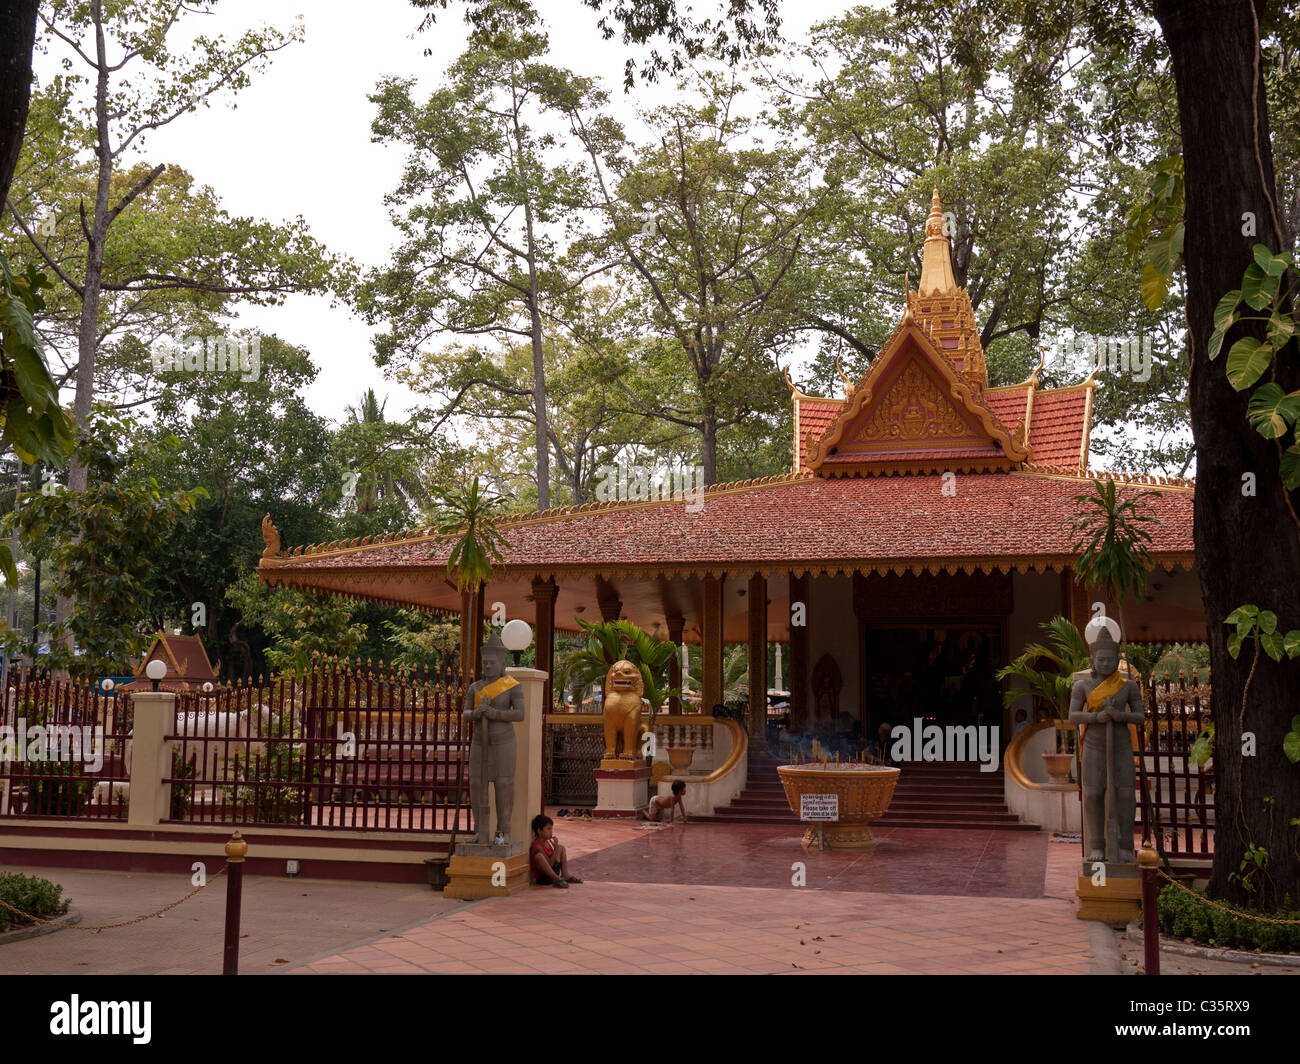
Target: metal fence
x=1176 y=796
x=64 y=749
x=341 y=746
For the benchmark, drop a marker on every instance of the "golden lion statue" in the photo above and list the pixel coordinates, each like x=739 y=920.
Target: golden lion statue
x=621 y=713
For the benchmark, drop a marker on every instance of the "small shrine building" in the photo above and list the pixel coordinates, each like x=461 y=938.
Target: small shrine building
x=918 y=541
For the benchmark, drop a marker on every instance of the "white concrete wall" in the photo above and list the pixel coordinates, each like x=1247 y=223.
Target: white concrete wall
x=1055 y=807
x=703 y=798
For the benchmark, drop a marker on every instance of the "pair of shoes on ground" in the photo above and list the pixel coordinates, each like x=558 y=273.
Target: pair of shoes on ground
x=564 y=883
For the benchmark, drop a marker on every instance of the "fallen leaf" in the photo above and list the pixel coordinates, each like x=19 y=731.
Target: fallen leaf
x=819 y=939
x=793 y=965
x=279 y=960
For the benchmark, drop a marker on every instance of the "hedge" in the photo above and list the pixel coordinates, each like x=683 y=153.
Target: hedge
x=1183 y=915
x=29 y=894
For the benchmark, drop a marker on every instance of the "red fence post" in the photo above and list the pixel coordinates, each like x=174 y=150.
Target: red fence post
x=236 y=848
x=1147 y=862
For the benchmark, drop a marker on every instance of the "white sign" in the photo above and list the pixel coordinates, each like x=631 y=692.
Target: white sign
x=819 y=807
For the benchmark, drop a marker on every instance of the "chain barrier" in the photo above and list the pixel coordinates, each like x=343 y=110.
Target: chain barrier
x=1223 y=908
x=125 y=923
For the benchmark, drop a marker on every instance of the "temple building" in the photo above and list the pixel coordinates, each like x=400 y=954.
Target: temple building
x=920 y=537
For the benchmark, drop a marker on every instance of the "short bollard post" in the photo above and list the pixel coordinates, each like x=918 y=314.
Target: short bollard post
x=1148 y=859
x=236 y=849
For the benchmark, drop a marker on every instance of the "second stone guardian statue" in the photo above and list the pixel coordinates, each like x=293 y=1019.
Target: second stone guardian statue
x=493 y=704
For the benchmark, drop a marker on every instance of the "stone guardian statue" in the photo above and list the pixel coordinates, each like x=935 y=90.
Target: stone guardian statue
x=493 y=703
x=1106 y=703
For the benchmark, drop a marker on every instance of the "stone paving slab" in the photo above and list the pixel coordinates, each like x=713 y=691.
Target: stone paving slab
x=283 y=919
x=604 y=928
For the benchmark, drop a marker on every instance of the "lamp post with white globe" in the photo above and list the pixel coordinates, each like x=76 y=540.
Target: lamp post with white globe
x=517 y=636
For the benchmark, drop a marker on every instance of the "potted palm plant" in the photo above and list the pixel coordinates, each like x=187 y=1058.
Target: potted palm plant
x=1046 y=669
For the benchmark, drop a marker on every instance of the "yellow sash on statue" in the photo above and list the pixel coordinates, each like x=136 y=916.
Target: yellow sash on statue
x=1111 y=685
x=496 y=687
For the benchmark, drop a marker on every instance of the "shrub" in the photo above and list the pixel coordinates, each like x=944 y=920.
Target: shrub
x=31 y=895
x=1184 y=915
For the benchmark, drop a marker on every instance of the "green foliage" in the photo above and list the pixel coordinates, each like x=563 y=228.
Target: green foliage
x=469 y=515
x=1272 y=412
x=64 y=789
x=1261 y=625
x=421 y=642
x=301 y=625
x=1110 y=541
x=735 y=675
x=1184 y=915
x=35 y=426
x=1046 y=669
x=611 y=641
x=31 y=895
x=1155 y=230
x=102 y=540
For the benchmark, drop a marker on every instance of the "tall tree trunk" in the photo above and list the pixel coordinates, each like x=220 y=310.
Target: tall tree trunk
x=709 y=445
x=1247 y=547
x=539 y=376
x=17 y=39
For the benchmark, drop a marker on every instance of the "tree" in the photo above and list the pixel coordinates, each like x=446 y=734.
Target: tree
x=17 y=39
x=486 y=201
x=100 y=540
x=387 y=472
x=302 y=626
x=255 y=447
x=746 y=26
x=118 y=121
x=707 y=223
x=1247 y=545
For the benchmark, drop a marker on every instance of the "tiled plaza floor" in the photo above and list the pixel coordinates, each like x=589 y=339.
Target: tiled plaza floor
x=720 y=898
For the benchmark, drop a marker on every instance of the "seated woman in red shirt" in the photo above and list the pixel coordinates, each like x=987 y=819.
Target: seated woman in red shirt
x=548 y=859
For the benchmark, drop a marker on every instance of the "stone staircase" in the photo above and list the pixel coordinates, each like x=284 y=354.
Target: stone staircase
x=928 y=795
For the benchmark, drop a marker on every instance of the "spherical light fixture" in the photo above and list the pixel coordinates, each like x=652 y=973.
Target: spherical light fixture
x=517 y=637
x=156 y=670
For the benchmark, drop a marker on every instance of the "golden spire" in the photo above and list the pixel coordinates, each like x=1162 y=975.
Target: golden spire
x=936 y=259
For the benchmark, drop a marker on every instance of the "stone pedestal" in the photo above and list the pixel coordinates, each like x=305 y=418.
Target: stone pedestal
x=1118 y=902
x=622 y=788
x=486 y=871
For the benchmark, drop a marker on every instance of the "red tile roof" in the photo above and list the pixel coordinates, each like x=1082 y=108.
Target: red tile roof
x=1060 y=425
x=1059 y=420
x=799 y=523
x=1008 y=403
x=815 y=416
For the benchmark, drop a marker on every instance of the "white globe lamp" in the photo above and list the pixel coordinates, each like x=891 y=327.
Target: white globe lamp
x=516 y=637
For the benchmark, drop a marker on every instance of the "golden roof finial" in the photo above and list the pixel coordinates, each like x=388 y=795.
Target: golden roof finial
x=936 y=259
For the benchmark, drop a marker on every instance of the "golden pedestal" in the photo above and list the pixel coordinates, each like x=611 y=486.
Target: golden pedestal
x=486 y=877
x=620 y=764
x=1118 y=903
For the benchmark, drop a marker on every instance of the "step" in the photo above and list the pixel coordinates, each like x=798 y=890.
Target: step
x=886 y=822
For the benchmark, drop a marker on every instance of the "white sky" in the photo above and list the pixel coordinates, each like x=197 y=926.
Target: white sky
x=298 y=142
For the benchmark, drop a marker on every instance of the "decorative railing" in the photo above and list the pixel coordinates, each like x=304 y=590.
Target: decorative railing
x=63 y=750
x=1175 y=795
x=338 y=747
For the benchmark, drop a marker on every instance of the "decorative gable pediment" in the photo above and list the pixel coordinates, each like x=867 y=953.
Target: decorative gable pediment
x=915 y=412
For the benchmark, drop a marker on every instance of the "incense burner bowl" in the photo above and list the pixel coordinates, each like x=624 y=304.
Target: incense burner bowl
x=864 y=793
